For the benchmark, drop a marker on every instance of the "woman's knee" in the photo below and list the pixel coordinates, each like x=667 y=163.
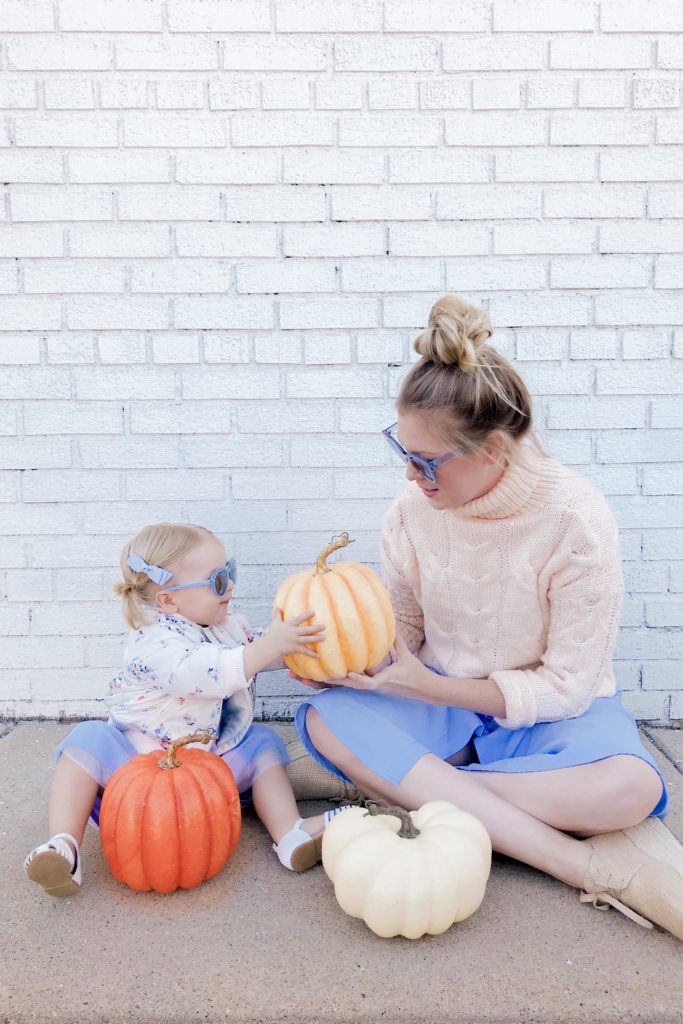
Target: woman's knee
x=629 y=787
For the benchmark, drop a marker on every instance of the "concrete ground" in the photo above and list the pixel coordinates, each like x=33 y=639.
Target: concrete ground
x=258 y=944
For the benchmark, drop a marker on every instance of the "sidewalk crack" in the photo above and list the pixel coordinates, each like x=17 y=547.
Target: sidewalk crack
x=677 y=763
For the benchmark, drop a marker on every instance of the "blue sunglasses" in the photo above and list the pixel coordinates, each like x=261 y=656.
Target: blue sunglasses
x=425 y=467
x=218 y=580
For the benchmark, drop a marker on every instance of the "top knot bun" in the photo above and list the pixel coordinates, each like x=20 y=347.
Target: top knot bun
x=455 y=333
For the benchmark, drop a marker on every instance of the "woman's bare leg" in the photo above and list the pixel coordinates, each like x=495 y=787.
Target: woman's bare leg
x=604 y=796
x=514 y=832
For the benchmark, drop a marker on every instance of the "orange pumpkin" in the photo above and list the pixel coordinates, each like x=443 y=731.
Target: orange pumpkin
x=352 y=603
x=170 y=822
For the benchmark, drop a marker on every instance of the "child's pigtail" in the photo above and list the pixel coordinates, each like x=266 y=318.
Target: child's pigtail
x=136 y=606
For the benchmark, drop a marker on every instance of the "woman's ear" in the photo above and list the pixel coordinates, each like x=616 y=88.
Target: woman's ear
x=494 y=449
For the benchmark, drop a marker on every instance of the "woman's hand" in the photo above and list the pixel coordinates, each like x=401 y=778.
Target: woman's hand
x=400 y=673
x=404 y=677
x=310 y=682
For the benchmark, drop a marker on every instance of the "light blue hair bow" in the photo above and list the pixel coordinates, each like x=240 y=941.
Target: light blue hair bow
x=155 y=572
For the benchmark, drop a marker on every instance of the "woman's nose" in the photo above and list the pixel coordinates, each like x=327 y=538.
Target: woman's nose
x=412 y=473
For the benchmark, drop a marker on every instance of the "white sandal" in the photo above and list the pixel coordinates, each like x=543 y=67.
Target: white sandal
x=299 y=851
x=56 y=866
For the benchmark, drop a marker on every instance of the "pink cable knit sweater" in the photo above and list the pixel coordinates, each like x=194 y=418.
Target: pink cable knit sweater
x=522 y=585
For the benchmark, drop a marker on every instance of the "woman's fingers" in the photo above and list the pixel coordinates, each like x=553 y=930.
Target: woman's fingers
x=400 y=646
x=308 y=682
x=363 y=682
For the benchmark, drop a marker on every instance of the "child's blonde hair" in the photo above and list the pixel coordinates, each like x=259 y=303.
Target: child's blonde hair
x=162 y=544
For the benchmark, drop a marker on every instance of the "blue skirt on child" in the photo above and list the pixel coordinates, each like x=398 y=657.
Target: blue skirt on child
x=100 y=748
x=390 y=735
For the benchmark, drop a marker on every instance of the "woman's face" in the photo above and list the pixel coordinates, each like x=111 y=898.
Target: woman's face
x=459 y=480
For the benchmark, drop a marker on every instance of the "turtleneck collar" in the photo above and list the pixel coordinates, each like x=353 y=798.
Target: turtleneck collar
x=525 y=482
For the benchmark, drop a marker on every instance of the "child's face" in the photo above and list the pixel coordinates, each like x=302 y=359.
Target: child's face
x=199 y=604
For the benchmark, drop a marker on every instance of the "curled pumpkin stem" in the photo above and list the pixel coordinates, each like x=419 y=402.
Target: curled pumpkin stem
x=408 y=829
x=169 y=760
x=321 y=565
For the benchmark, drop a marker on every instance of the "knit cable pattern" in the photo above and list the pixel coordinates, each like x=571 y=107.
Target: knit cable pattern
x=523 y=585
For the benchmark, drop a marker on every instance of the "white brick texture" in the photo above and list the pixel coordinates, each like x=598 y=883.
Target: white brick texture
x=223 y=222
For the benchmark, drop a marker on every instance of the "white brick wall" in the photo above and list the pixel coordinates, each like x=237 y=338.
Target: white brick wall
x=221 y=224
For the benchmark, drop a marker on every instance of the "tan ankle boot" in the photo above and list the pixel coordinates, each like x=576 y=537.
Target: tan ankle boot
x=653 y=837
x=624 y=876
x=310 y=781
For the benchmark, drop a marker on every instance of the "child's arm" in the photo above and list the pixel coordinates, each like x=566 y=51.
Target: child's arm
x=173 y=664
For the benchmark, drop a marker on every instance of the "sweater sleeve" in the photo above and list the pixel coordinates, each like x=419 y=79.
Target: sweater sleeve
x=400 y=574
x=207 y=670
x=585 y=596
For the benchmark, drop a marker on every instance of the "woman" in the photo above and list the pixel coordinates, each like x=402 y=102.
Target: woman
x=504 y=572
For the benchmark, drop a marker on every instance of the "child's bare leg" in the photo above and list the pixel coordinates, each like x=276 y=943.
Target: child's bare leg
x=56 y=864
x=275 y=804
x=72 y=796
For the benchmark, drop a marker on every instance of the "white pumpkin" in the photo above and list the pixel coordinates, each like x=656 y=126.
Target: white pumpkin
x=407 y=886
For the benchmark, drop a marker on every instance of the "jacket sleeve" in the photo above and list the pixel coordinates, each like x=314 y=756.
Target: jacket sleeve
x=585 y=596
x=401 y=577
x=170 y=663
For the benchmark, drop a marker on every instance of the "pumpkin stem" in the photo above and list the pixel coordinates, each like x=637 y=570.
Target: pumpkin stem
x=408 y=829
x=321 y=565
x=169 y=760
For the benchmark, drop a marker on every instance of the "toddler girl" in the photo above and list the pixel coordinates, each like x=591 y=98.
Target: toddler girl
x=188 y=665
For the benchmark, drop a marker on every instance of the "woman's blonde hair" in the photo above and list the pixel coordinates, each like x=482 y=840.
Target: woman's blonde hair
x=469 y=387
x=162 y=544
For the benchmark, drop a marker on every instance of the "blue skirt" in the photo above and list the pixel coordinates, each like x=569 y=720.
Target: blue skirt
x=100 y=748
x=390 y=735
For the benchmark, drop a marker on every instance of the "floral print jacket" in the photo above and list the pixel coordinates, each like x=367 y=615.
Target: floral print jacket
x=175 y=679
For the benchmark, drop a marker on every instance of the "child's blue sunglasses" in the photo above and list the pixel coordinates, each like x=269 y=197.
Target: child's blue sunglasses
x=218 y=580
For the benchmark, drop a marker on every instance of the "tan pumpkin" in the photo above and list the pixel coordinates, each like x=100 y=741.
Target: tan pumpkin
x=350 y=600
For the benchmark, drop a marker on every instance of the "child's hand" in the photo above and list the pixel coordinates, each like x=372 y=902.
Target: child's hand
x=282 y=637
x=291 y=636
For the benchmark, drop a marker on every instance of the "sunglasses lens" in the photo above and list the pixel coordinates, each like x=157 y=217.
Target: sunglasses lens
x=396 y=448
x=423 y=468
x=220 y=583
